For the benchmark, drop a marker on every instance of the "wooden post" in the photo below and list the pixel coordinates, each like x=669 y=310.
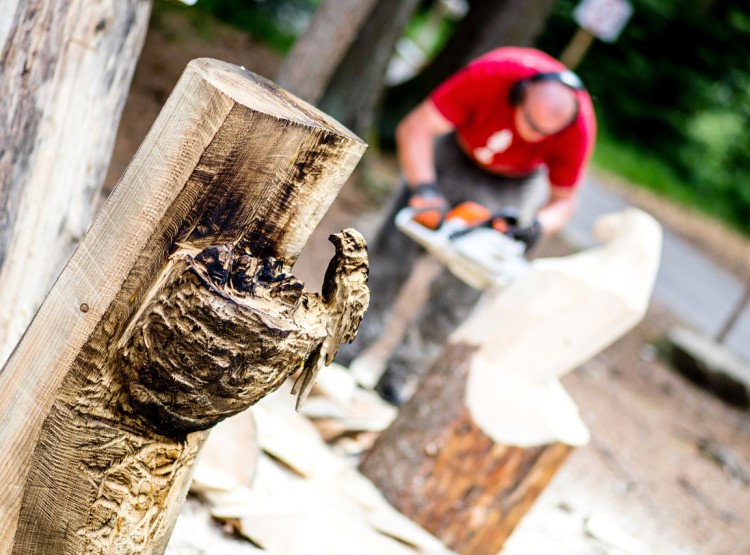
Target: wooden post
x=577 y=48
x=490 y=423
x=176 y=311
x=65 y=72
x=734 y=316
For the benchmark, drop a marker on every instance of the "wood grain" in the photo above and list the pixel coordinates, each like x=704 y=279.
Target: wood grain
x=104 y=402
x=65 y=72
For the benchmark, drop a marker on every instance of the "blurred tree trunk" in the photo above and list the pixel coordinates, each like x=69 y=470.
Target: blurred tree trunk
x=490 y=24
x=316 y=54
x=65 y=71
x=357 y=85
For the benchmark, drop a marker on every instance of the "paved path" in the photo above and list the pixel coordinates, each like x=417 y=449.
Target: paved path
x=691 y=286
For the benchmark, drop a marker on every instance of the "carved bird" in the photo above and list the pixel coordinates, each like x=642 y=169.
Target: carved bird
x=345 y=297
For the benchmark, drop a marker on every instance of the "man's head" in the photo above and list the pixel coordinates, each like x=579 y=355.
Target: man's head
x=546 y=104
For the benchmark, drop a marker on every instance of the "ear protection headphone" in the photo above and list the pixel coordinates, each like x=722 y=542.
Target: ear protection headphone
x=567 y=78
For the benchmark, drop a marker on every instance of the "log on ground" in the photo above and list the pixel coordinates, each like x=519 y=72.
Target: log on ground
x=490 y=423
x=439 y=468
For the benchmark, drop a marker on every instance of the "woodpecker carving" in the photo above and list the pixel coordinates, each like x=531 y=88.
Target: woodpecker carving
x=345 y=300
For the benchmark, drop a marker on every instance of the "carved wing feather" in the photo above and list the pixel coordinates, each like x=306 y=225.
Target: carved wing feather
x=345 y=290
x=346 y=297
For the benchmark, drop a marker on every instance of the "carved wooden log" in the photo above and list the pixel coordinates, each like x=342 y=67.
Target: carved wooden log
x=440 y=469
x=176 y=311
x=490 y=424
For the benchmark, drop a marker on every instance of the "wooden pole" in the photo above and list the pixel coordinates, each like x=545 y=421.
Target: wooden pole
x=65 y=73
x=490 y=424
x=734 y=316
x=176 y=311
x=577 y=48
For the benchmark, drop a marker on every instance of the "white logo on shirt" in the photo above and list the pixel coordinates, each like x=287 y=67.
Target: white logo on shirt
x=496 y=143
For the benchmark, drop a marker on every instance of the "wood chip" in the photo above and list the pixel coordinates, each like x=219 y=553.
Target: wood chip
x=304 y=452
x=610 y=534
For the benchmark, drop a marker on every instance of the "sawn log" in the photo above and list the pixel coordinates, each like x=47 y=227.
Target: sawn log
x=490 y=424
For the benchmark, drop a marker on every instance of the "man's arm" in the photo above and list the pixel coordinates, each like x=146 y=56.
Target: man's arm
x=558 y=210
x=415 y=142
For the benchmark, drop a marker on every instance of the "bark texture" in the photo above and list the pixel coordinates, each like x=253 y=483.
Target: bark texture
x=316 y=54
x=65 y=72
x=437 y=467
x=177 y=311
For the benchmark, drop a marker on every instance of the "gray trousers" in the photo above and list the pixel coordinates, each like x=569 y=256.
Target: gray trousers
x=392 y=256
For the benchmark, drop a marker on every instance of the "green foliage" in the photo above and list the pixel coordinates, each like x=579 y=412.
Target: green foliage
x=633 y=163
x=198 y=24
x=675 y=87
x=429 y=30
x=275 y=22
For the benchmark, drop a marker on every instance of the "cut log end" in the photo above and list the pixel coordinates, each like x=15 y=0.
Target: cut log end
x=258 y=93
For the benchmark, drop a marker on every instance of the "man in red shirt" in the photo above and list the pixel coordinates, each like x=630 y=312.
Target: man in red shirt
x=514 y=128
x=513 y=111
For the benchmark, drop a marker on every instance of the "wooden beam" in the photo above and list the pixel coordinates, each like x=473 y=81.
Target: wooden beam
x=490 y=424
x=66 y=72
x=176 y=311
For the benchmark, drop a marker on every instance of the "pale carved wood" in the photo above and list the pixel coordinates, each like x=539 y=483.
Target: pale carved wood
x=490 y=424
x=65 y=72
x=177 y=310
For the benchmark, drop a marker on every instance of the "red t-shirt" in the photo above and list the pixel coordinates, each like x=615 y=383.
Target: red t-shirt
x=477 y=101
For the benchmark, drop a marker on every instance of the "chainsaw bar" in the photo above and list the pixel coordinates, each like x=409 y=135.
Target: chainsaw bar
x=482 y=257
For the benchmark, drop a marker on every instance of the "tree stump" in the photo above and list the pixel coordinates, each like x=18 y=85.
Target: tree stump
x=176 y=311
x=440 y=469
x=490 y=424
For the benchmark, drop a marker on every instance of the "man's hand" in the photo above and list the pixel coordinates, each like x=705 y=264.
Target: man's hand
x=507 y=221
x=429 y=205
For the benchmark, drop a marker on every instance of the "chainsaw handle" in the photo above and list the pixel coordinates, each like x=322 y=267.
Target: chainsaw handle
x=465 y=231
x=429 y=205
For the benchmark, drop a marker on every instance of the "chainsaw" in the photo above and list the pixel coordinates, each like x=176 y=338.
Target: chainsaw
x=475 y=252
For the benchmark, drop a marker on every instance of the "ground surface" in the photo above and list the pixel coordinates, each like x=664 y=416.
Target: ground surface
x=666 y=463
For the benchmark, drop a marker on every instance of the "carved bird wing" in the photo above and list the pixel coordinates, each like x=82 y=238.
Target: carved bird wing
x=346 y=297
x=345 y=290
